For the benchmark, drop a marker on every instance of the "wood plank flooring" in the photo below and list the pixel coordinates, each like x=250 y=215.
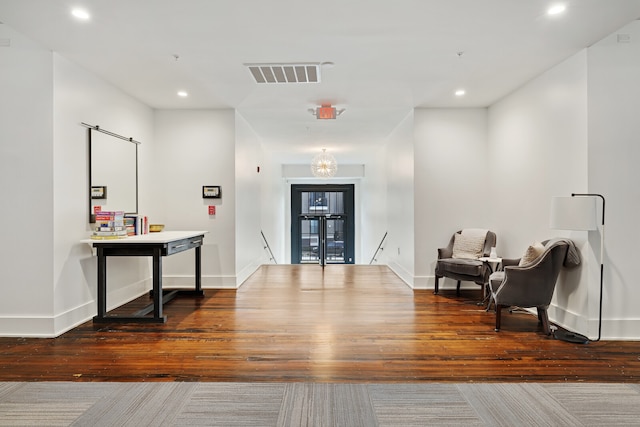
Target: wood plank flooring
x=346 y=323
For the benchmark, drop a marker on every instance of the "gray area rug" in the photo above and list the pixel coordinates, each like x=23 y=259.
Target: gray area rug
x=304 y=404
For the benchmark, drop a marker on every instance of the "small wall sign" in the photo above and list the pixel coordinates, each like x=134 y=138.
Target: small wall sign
x=98 y=191
x=211 y=192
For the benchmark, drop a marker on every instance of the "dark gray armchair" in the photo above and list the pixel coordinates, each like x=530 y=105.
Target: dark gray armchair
x=461 y=269
x=532 y=284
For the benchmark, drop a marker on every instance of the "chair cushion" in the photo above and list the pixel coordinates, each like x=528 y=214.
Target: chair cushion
x=468 y=246
x=532 y=253
x=469 y=267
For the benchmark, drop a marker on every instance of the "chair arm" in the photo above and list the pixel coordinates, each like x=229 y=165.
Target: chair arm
x=506 y=262
x=445 y=253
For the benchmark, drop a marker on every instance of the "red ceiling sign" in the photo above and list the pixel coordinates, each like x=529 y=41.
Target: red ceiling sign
x=326 y=112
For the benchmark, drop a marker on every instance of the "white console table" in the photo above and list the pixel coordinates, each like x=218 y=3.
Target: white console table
x=155 y=245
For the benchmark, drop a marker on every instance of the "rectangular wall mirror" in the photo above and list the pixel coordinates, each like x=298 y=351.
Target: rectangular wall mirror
x=113 y=172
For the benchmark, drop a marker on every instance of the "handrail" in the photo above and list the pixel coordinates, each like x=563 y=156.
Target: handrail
x=272 y=257
x=380 y=248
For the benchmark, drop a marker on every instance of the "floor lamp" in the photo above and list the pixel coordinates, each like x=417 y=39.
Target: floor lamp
x=578 y=212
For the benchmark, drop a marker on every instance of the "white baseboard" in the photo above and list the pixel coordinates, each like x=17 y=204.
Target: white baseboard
x=612 y=329
x=403 y=274
x=54 y=326
x=47 y=327
x=246 y=272
x=27 y=327
x=423 y=282
x=208 y=282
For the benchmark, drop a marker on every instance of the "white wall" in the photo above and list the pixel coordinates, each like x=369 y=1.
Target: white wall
x=80 y=96
x=45 y=181
x=399 y=249
x=374 y=207
x=193 y=148
x=26 y=186
x=274 y=213
x=452 y=185
x=248 y=157
x=538 y=149
x=614 y=155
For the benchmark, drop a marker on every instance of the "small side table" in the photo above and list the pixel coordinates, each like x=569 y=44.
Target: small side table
x=494 y=264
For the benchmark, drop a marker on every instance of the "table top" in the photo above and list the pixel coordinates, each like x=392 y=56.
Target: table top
x=489 y=259
x=160 y=237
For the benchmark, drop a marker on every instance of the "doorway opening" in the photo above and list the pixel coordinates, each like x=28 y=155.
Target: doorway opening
x=322 y=224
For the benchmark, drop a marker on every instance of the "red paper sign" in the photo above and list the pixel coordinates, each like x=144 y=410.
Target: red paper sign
x=212 y=210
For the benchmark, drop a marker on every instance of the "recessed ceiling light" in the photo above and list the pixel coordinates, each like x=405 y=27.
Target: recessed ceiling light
x=556 y=9
x=81 y=14
x=182 y=94
x=460 y=92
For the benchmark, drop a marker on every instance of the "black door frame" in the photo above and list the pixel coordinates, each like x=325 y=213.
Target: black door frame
x=348 y=191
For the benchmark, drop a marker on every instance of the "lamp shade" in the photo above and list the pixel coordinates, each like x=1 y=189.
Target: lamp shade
x=573 y=213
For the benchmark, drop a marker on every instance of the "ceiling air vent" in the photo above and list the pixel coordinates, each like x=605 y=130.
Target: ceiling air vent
x=285 y=73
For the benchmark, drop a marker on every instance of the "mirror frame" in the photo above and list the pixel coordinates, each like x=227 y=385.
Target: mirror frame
x=92 y=217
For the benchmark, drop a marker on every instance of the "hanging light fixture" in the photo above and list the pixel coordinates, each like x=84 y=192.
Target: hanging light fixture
x=324 y=165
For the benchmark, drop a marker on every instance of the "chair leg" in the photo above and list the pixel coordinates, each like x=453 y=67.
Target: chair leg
x=498 y=311
x=544 y=318
x=458 y=289
x=436 y=287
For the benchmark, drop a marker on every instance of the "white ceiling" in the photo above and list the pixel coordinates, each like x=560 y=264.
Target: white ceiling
x=389 y=56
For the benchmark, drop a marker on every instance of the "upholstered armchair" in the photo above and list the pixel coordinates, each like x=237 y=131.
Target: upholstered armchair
x=459 y=260
x=530 y=281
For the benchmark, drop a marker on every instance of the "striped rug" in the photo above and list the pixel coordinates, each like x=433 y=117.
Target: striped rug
x=305 y=404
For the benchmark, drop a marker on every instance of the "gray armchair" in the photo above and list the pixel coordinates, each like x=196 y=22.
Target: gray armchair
x=461 y=269
x=532 y=284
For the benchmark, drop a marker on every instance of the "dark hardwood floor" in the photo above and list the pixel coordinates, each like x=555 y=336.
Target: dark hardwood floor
x=301 y=323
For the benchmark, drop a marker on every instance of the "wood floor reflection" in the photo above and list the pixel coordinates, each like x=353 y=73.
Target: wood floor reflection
x=302 y=323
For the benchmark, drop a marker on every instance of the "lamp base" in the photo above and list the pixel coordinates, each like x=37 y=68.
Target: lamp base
x=570 y=337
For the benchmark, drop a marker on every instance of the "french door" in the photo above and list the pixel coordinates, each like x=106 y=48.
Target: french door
x=322 y=227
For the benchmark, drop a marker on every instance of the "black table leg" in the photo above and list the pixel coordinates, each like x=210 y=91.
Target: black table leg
x=199 y=269
x=102 y=284
x=197 y=291
x=157 y=283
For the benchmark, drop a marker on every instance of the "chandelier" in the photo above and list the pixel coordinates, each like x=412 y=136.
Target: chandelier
x=324 y=165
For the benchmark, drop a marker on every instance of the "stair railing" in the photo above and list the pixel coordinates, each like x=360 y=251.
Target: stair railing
x=268 y=248
x=380 y=248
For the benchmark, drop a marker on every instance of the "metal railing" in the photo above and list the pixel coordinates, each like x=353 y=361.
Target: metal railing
x=380 y=248
x=268 y=248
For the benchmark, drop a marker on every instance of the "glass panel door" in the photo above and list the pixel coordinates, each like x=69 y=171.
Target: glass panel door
x=334 y=237
x=309 y=240
x=322 y=229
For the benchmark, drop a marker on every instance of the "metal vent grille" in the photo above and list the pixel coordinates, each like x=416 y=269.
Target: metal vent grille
x=285 y=73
